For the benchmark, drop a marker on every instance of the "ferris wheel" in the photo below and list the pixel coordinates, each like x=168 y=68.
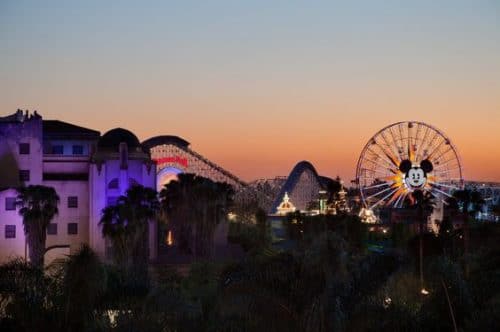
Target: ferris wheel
x=405 y=157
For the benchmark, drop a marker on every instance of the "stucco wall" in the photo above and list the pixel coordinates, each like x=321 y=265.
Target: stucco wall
x=15 y=247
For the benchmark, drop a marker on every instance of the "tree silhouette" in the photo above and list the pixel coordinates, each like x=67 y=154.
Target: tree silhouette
x=38 y=208
x=424 y=203
x=126 y=224
x=194 y=206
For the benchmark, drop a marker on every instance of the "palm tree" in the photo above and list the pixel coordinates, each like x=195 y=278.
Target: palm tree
x=38 y=208
x=195 y=206
x=126 y=225
x=177 y=203
x=213 y=200
x=83 y=283
x=425 y=205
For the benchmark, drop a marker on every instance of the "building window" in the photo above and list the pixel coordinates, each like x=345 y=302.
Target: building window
x=24 y=148
x=10 y=203
x=113 y=184
x=72 y=228
x=52 y=229
x=10 y=231
x=57 y=149
x=112 y=200
x=78 y=149
x=24 y=175
x=72 y=201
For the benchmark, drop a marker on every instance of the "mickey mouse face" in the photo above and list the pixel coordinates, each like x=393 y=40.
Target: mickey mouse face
x=415 y=177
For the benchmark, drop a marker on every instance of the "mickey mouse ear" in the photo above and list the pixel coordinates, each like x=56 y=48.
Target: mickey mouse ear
x=405 y=166
x=426 y=165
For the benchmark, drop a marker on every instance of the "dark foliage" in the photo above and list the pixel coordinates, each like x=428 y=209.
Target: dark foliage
x=327 y=283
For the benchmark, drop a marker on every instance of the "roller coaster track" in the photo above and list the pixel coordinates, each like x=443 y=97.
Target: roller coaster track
x=215 y=166
x=183 y=146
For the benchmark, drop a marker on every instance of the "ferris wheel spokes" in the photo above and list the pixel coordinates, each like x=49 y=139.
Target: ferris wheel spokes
x=430 y=143
x=383 y=198
x=432 y=165
x=377 y=164
x=379 y=192
x=419 y=155
x=440 y=191
x=436 y=148
x=378 y=185
x=395 y=152
x=391 y=164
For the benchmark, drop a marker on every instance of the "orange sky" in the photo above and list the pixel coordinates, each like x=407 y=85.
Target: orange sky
x=257 y=88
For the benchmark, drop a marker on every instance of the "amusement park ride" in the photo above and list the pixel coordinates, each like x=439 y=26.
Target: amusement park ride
x=401 y=159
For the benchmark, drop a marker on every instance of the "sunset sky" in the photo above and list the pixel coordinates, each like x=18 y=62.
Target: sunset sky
x=257 y=86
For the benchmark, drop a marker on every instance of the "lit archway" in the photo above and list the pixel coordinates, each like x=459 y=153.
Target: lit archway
x=166 y=175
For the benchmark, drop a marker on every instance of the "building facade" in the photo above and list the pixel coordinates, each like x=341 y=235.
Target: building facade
x=88 y=171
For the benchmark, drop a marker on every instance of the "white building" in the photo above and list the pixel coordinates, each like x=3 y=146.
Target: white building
x=87 y=171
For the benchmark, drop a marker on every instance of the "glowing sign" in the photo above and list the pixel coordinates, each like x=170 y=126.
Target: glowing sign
x=175 y=159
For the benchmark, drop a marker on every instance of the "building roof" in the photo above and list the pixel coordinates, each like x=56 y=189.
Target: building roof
x=11 y=118
x=165 y=139
x=19 y=116
x=58 y=129
x=112 y=139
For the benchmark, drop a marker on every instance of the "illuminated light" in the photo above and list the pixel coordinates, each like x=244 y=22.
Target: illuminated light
x=384 y=231
x=170 y=240
x=112 y=316
x=175 y=159
x=367 y=216
x=387 y=302
x=167 y=178
x=285 y=206
x=424 y=291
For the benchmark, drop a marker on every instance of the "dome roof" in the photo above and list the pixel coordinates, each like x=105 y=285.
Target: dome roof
x=113 y=138
x=165 y=139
